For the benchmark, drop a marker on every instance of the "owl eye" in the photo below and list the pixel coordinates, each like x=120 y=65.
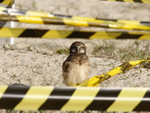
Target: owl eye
x=81 y=47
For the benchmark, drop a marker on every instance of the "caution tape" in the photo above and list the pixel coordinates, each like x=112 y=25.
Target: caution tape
x=132 y=1
x=9 y=11
x=43 y=20
x=7 y=2
x=73 y=22
x=96 y=80
x=90 y=19
x=43 y=33
x=16 y=97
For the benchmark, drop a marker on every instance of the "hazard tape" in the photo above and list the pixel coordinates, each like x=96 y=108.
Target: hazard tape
x=109 y=23
x=132 y=1
x=43 y=20
x=16 y=97
x=43 y=33
x=7 y=2
x=73 y=22
x=10 y=11
x=96 y=80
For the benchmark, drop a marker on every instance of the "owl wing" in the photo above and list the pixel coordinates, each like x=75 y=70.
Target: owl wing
x=66 y=70
x=65 y=66
x=71 y=72
x=68 y=63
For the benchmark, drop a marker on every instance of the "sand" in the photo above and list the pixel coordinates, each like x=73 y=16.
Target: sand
x=35 y=62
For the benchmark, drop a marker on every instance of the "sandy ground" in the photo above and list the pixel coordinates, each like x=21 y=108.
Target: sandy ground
x=36 y=62
x=43 y=66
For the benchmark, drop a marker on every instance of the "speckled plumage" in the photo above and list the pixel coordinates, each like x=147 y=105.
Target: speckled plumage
x=76 y=67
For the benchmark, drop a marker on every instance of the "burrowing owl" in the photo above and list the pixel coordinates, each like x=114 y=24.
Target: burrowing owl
x=76 y=67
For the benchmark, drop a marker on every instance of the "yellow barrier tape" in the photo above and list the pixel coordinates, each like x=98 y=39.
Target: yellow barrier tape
x=136 y=95
x=73 y=22
x=7 y=2
x=21 y=97
x=132 y=1
x=125 y=24
x=33 y=96
x=96 y=80
x=3 y=89
x=35 y=13
x=72 y=104
x=48 y=33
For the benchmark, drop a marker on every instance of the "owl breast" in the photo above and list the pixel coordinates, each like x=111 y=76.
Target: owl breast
x=76 y=73
x=76 y=67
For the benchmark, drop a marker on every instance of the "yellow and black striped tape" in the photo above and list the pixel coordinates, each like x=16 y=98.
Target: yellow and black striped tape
x=77 y=20
x=132 y=1
x=34 y=33
x=18 y=97
x=4 y=10
x=73 y=22
x=7 y=2
x=96 y=80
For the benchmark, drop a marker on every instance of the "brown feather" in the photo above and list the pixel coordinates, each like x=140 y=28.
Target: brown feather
x=76 y=67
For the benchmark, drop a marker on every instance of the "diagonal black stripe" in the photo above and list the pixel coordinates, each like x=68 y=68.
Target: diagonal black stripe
x=12 y=96
x=120 y=0
x=58 y=98
x=139 y=1
x=129 y=36
x=104 y=99
x=1 y=1
x=144 y=105
x=23 y=12
x=145 y=23
x=2 y=23
x=53 y=21
x=106 y=19
x=33 y=33
x=78 y=34
x=62 y=16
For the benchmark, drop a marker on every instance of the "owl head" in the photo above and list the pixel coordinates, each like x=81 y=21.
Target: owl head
x=77 y=48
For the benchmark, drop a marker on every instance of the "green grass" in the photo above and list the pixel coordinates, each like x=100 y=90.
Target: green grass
x=104 y=49
x=63 y=51
x=130 y=53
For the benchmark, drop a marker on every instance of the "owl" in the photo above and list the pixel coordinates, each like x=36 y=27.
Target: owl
x=76 y=67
